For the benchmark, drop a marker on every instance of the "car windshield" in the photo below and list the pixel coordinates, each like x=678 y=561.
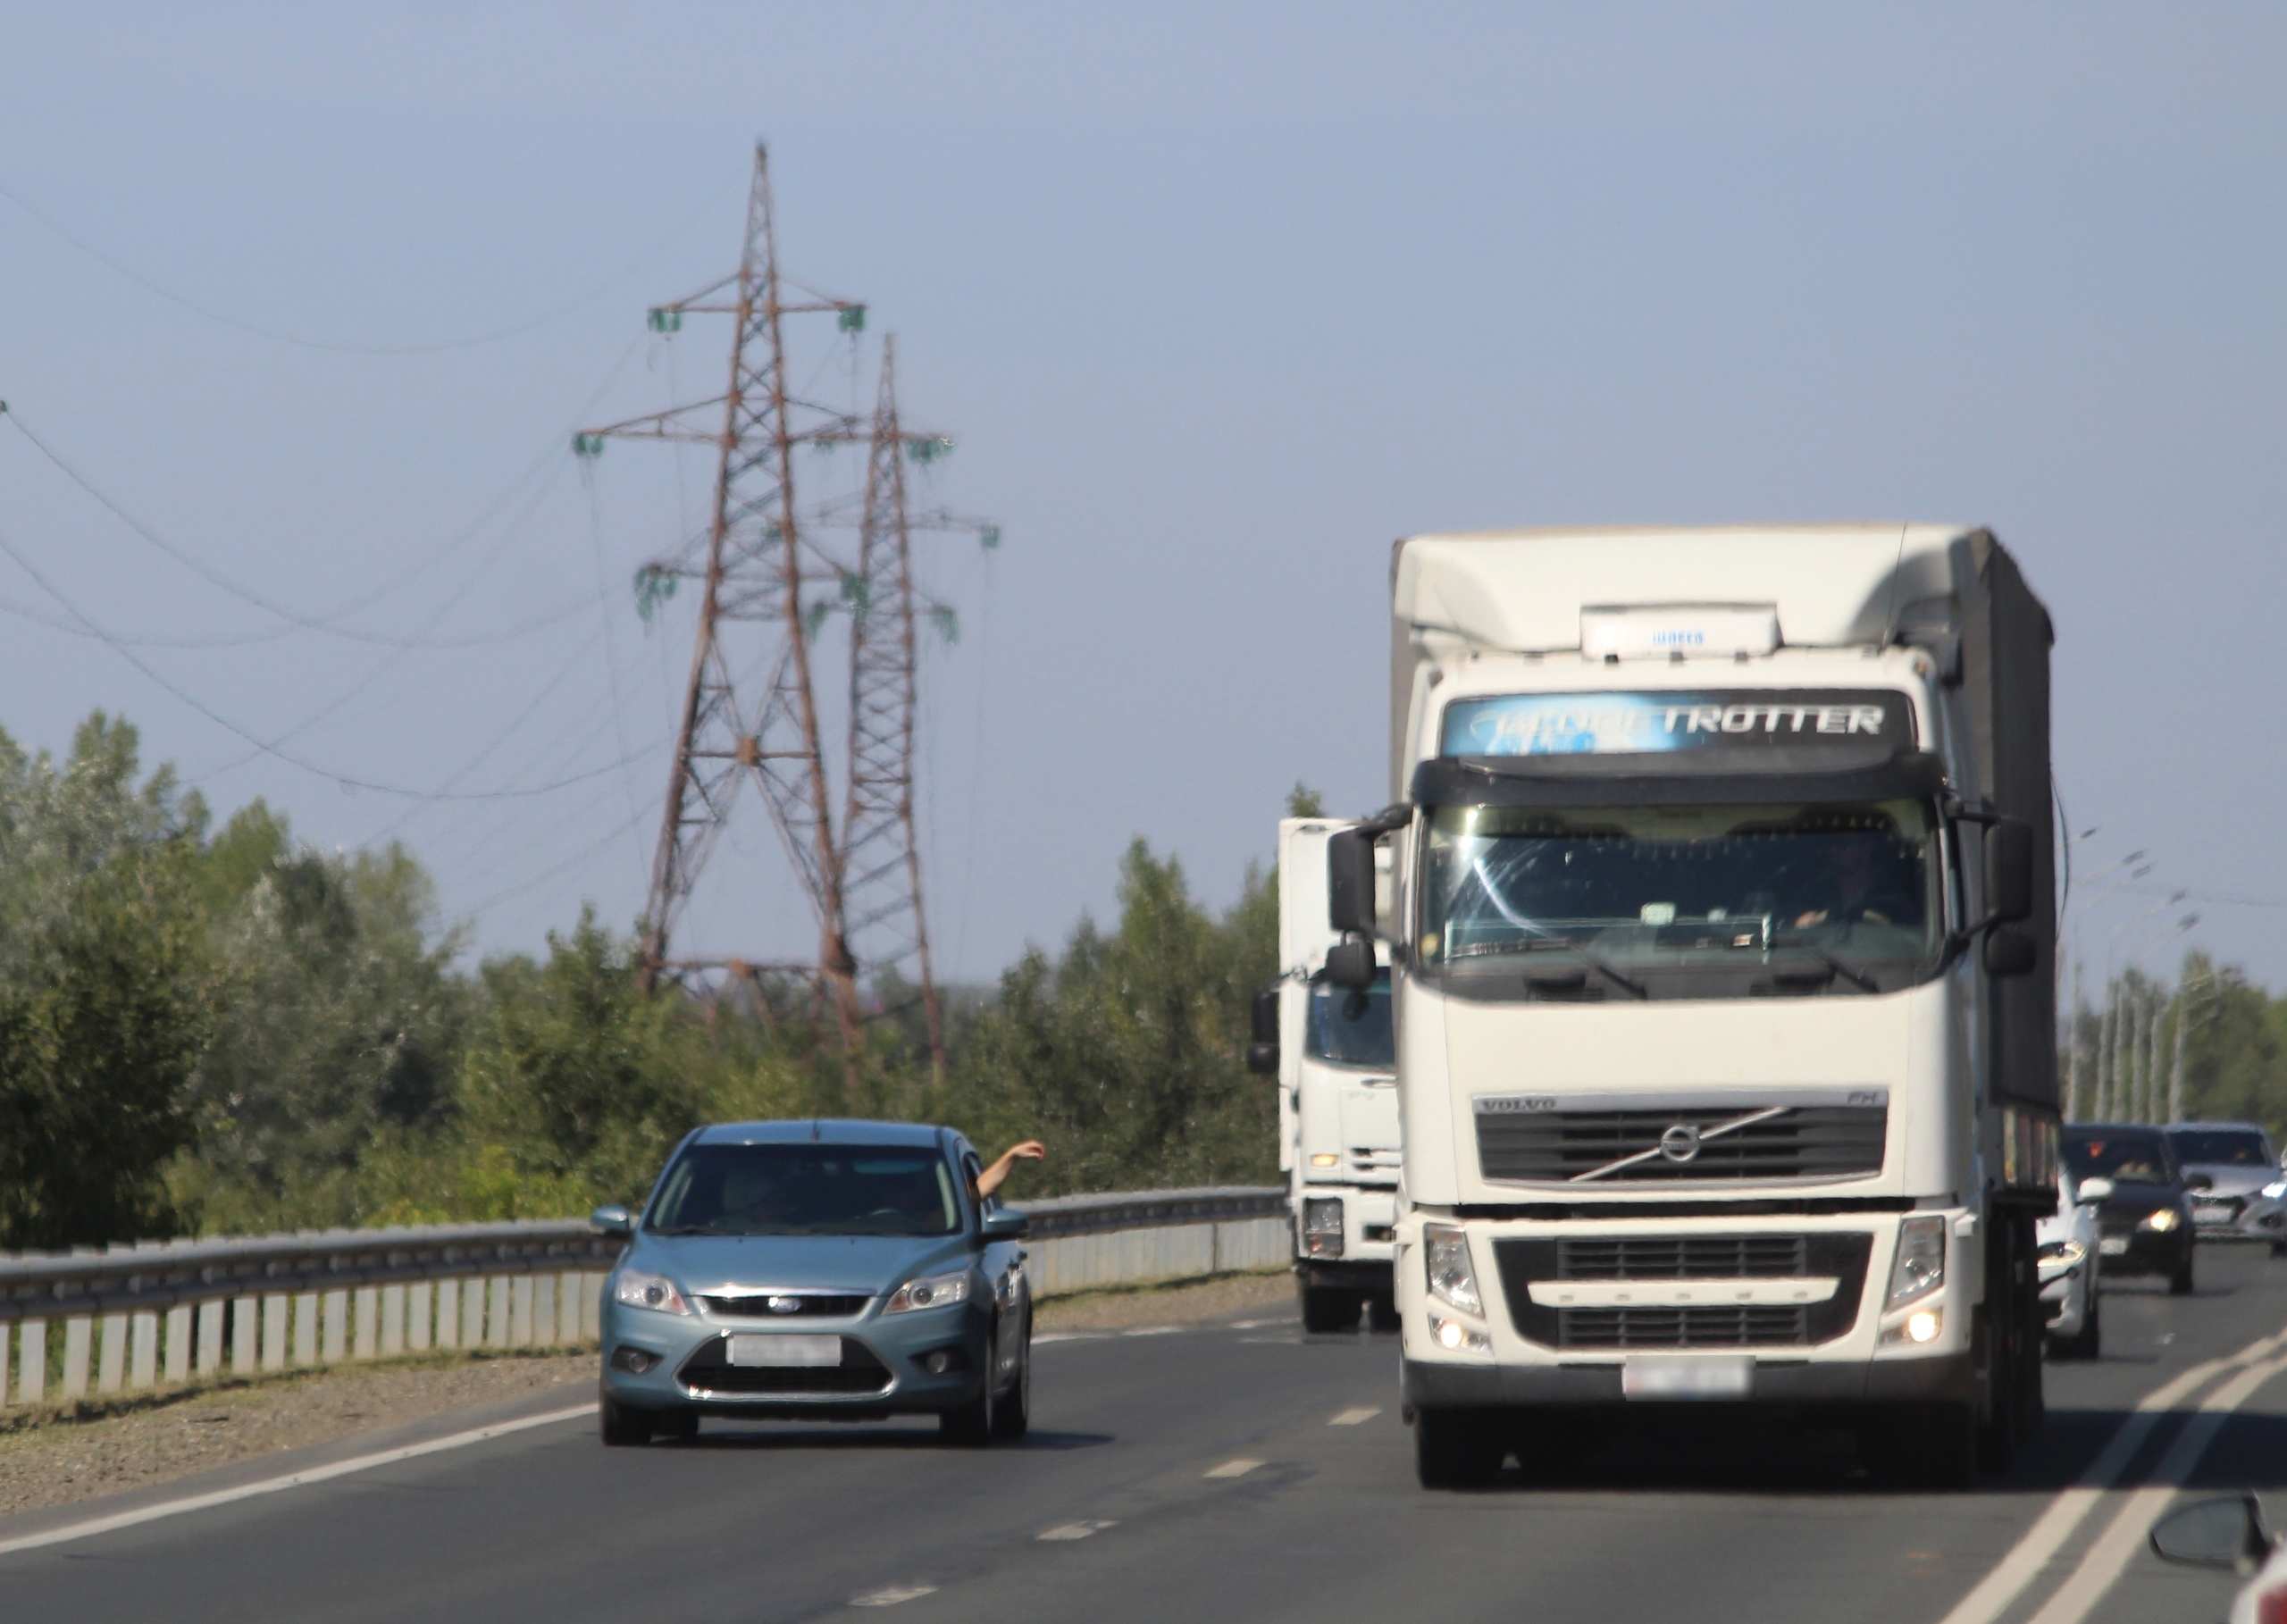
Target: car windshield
x=2220 y=1146
x=807 y=1189
x=1653 y=886
x=1350 y=1026
x=2126 y=1158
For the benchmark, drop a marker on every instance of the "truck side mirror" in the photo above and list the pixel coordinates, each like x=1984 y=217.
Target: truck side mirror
x=1262 y=1034
x=2009 y=871
x=2009 y=953
x=1351 y=965
x=1350 y=881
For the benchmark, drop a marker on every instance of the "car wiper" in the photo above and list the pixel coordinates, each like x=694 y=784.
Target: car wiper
x=1838 y=967
x=689 y=1229
x=1552 y=944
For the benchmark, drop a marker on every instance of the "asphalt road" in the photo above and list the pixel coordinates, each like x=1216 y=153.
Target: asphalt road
x=1232 y=1471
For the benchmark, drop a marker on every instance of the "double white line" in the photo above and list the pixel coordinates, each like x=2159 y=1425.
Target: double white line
x=2101 y=1564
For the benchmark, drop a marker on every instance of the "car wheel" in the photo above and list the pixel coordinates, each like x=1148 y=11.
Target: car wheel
x=2279 y=1248
x=2091 y=1343
x=622 y=1427
x=2180 y=1282
x=680 y=1425
x=1454 y=1449
x=974 y=1424
x=1014 y=1418
x=1326 y=1308
x=1381 y=1314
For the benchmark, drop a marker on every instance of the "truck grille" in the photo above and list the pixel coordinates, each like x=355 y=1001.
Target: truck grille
x=1759 y=1326
x=1838 y=1255
x=1806 y=1141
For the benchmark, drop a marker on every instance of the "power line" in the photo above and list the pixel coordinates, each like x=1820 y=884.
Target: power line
x=509 y=892
x=120 y=268
x=347 y=779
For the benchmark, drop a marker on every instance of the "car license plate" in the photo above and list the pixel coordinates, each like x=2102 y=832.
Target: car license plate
x=2210 y=1215
x=1687 y=1376
x=2113 y=1245
x=780 y=1351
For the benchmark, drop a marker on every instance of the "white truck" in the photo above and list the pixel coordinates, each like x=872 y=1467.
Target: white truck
x=1329 y=1049
x=1720 y=921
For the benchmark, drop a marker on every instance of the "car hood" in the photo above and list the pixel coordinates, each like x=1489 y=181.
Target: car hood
x=871 y=1264
x=2143 y=1198
x=2231 y=1180
x=2056 y=1226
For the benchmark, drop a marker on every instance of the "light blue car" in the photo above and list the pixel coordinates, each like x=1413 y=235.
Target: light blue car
x=819 y=1270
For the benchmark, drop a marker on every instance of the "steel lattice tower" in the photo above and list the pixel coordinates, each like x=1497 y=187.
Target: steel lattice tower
x=880 y=854
x=751 y=619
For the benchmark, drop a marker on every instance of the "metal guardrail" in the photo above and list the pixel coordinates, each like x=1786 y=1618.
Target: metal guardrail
x=134 y=1316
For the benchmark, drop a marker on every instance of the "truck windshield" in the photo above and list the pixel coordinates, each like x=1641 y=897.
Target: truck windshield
x=2220 y=1146
x=1657 y=887
x=1351 y=1028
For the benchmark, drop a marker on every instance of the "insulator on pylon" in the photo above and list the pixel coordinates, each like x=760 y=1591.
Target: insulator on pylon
x=666 y=320
x=588 y=445
x=852 y=318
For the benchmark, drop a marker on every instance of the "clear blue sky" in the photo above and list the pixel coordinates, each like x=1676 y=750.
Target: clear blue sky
x=1219 y=299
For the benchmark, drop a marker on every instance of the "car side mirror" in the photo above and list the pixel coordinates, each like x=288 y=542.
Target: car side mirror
x=2010 y=953
x=2009 y=871
x=1006 y=1224
x=2225 y=1532
x=1262 y=1034
x=1350 y=881
x=2092 y=1191
x=1351 y=965
x=613 y=1220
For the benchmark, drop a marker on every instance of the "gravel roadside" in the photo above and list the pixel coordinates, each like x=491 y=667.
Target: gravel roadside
x=56 y=1457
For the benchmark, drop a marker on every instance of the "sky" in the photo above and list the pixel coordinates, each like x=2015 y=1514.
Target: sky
x=1217 y=301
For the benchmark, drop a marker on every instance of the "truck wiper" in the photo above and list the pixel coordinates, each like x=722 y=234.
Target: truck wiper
x=1552 y=944
x=1842 y=968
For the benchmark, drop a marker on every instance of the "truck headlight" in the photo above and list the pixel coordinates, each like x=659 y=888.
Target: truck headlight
x=1445 y=1251
x=2162 y=1221
x=1919 y=1268
x=637 y=1289
x=1322 y=1226
x=1455 y=1337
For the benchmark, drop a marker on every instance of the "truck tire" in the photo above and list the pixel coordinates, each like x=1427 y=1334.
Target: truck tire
x=1326 y=1308
x=1381 y=1314
x=1456 y=1449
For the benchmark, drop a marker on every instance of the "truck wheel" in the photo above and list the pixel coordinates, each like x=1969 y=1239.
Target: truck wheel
x=623 y=1427
x=1455 y=1449
x=1326 y=1308
x=1381 y=1314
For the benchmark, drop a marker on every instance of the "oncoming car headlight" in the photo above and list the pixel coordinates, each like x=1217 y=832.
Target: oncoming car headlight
x=2062 y=1254
x=637 y=1289
x=929 y=1292
x=2161 y=1221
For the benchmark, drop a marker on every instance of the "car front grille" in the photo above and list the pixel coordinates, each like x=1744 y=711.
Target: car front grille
x=756 y=1305
x=1759 y=1326
x=1803 y=1143
x=1841 y=1256
x=860 y=1374
x=2230 y=1206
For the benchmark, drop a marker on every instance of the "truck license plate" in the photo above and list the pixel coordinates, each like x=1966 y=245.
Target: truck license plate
x=2113 y=1245
x=769 y=1352
x=1687 y=1376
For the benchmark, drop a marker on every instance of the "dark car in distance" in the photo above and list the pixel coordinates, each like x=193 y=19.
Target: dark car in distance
x=2144 y=1222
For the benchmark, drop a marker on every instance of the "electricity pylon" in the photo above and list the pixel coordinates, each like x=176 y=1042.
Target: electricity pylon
x=751 y=618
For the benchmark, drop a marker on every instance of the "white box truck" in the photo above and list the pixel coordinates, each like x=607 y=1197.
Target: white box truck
x=1722 y=930
x=1330 y=1050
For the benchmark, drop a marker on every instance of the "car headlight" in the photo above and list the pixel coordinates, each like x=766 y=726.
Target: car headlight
x=637 y=1289
x=1322 y=1226
x=1446 y=1252
x=1919 y=1268
x=2062 y=1254
x=2276 y=1188
x=2162 y=1221
x=931 y=1291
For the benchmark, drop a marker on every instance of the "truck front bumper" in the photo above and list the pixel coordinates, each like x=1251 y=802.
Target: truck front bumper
x=1945 y=1379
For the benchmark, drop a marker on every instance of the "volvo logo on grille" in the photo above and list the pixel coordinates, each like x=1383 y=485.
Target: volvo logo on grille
x=784 y=1305
x=1680 y=1143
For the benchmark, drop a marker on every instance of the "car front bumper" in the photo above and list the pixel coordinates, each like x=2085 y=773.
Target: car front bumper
x=2147 y=1252
x=2064 y=1298
x=2251 y=1217
x=883 y=1368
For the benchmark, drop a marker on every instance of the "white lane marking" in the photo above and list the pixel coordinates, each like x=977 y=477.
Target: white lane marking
x=1256 y=1325
x=2008 y=1577
x=1233 y=1469
x=892 y=1594
x=94 y=1525
x=2123 y=1536
x=1075 y=1530
x=1273 y=1342
x=1155 y=1330
x=1352 y=1417
x=1047 y=1338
